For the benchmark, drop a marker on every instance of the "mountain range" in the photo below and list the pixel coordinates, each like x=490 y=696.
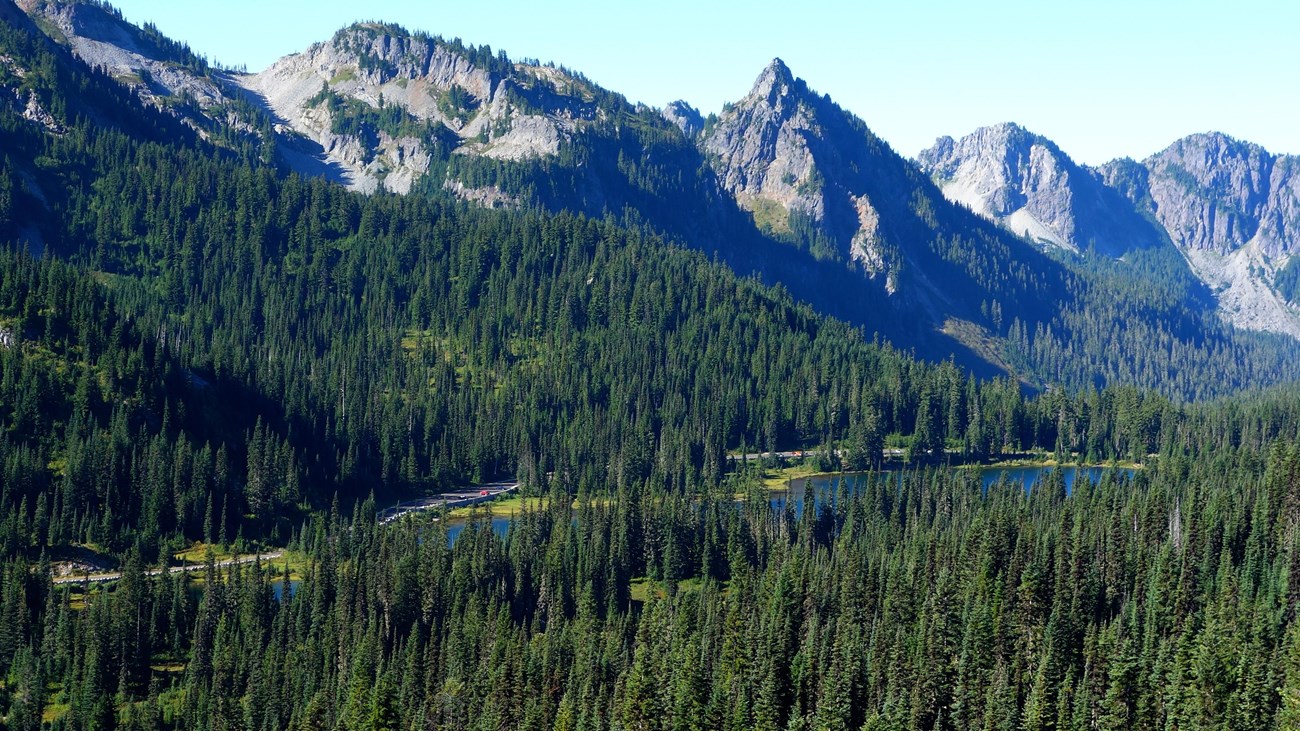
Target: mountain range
x=247 y=319
x=996 y=249
x=1230 y=208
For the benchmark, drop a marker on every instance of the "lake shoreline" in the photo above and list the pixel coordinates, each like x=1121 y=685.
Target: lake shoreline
x=785 y=478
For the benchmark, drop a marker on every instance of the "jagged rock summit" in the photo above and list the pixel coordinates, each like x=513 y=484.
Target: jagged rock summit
x=762 y=147
x=686 y=117
x=418 y=92
x=1024 y=182
x=1233 y=209
x=797 y=163
x=1230 y=208
x=1217 y=194
x=815 y=176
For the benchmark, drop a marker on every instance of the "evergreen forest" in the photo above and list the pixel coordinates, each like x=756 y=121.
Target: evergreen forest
x=207 y=358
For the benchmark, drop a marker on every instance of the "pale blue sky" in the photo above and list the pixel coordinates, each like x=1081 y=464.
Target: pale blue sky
x=1104 y=78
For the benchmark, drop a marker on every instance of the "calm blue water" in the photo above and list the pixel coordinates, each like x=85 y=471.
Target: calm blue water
x=1029 y=476
x=277 y=588
x=499 y=526
x=824 y=489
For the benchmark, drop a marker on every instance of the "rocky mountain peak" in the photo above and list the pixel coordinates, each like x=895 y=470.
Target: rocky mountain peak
x=445 y=94
x=763 y=150
x=686 y=117
x=1216 y=146
x=161 y=72
x=810 y=173
x=376 y=53
x=1233 y=210
x=775 y=81
x=1212 y=192
x=1222 y=164
x=1024 y=182
x=1004 y=148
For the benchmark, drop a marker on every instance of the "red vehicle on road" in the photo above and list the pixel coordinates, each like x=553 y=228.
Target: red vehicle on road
x=482 y=493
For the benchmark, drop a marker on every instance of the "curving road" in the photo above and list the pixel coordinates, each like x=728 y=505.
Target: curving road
x=454 y=499
x=802 y=454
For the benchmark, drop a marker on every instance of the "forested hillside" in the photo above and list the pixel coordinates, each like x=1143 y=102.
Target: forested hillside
x=784 y=184
x=198 y=347
x=303 y=341
x=1157 y=602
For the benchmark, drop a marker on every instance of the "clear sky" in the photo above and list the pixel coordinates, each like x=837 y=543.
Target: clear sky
x=1104 y=79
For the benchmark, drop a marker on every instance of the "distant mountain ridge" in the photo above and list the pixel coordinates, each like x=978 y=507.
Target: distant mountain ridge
x=1026 y=183
x=434 y=93
x=996 y=249
x=1231 y=208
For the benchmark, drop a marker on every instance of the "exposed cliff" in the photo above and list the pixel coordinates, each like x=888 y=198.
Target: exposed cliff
x=1233 y=210
x=1230 y=208
x=807 y=170
x=380 y=100
x=1027 y=184
x=163 y=73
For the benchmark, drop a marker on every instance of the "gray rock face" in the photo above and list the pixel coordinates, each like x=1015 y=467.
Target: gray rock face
x=1233 y=209
x=762 y=150
x=1216 y=194
x=104 y=40
x=1027 y=184
x=34 y=112
x=490 y=108
x=511 y=112
x=791 y=158
x=686 y=117
x=813 y=174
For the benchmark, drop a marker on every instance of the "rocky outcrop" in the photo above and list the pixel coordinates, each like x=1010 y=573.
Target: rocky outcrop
x=163 y=74
x=487 y=196
x=370 y=108
x=762 y=153
x=1233 y=209
x=1230 y=208
x=1215 y=194
x=34 y=112
x=1028 y=185
x=440 y=93
x=686 y=117
x=803 y=167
